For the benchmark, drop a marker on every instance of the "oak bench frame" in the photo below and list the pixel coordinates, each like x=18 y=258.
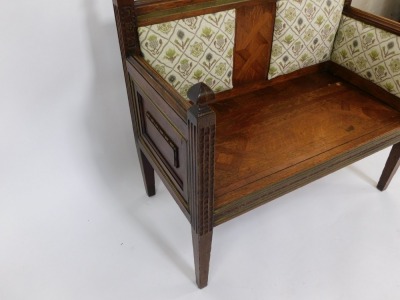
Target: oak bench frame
x=177 y=138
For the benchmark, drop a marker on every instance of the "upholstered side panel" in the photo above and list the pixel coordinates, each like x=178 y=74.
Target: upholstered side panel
x=370 y=52
x=304 y=34
x=187 y=51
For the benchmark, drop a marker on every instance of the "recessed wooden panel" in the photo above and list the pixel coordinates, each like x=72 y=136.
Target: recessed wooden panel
x=254 y=31
x=163 y=139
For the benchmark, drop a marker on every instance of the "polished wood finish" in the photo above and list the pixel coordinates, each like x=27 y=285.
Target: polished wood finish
x=280 y=133
x=148 y=174
x=244 y=89
x=154 y=14
x=201 y=94
x=391 y=167
x=366 y=85
x=222 y=155
x=201 y=123
x=126 y=19
x=168 y=99
x=347 y=3
x=144 y=7
x=201 y=251
x=148 y=6
x=162 y=139
x=170 y=106
x=254 y=32
x=154 y=144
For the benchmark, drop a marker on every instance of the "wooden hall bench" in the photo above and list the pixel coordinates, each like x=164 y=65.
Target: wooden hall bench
x=237 y=102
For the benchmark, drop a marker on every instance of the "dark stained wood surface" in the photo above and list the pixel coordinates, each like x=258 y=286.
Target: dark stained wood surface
x=148 y=174
x=391 y=167
x=347 y=2
x=201 y=94
x=254 y=32
x=256 y=85
x=201 y=160
x=154 y=12
x=285 y=129
x=258 y=141
x=160 y=91
x=201 y=253
x=365 y=84
x=373 y=20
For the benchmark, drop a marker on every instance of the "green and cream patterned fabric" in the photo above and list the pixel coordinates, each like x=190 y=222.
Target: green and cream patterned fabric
x=304 y=34
x=370 y=52
x=192 y=50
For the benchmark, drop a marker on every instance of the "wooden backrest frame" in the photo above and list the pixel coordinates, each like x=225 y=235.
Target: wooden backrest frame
x=254 y=29
x=254 y=35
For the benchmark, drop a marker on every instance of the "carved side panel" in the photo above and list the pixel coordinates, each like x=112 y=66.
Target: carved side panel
x=201 y=122
x=166 y=144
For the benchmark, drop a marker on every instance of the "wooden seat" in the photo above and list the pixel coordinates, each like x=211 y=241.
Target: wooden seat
x=288 y=129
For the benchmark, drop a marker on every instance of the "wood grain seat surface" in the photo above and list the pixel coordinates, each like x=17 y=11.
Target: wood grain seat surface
x=272 y=134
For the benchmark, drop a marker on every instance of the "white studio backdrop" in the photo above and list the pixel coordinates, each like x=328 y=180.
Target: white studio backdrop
x=75 y=222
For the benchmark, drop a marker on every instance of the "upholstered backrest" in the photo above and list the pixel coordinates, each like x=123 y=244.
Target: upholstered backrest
x=370 y=52
x=191 y=50
x=304 y=34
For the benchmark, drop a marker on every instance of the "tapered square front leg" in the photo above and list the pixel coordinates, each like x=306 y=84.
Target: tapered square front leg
x=390 y=169
x=202 y=253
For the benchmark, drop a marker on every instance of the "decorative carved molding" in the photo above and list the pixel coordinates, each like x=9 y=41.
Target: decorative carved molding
x=347 y=2
x=200 y=93
x=128 y=81
x=127 y=34
x=127 y=30
x=201 y=122
x=166 y=138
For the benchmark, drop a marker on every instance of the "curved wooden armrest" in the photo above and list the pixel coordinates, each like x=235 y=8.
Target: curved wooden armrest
x=373 y=20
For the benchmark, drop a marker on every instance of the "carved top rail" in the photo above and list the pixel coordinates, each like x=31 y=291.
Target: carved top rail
x=157 y=11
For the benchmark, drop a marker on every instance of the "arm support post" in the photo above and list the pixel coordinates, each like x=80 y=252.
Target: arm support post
x=201 y=123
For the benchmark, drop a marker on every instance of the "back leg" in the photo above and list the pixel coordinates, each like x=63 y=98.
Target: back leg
x=391 y=167
x=148 y=174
